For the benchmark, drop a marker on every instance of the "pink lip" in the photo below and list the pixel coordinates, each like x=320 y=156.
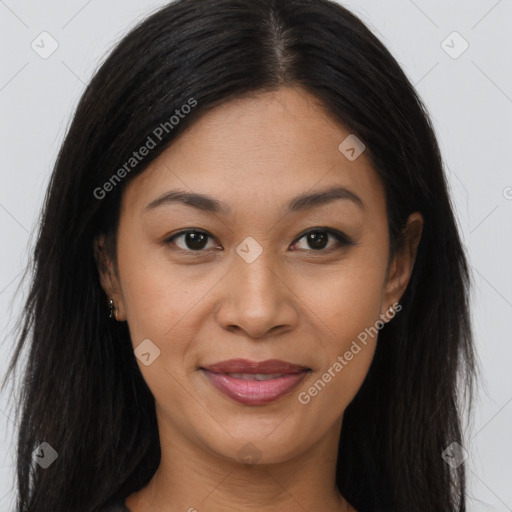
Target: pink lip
x=253 y=392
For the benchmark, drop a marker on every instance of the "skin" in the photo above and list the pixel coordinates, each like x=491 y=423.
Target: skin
x=294 y=302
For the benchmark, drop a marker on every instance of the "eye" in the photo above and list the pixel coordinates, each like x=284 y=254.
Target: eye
x=192 y=239
x=318 y=238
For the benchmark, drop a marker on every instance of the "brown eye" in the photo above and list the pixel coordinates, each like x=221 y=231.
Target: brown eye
x=191 y=240
x=318 y=240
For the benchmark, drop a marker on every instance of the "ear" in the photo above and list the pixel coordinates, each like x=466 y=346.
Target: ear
x=402 y=265
x=108 y=277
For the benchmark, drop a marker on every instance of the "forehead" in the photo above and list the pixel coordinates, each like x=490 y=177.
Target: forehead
x=262 y=149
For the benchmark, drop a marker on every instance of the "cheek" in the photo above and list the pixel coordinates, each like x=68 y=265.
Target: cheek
x=156 y=295
x=347 y=303
x=347 y=298
x=347 y=347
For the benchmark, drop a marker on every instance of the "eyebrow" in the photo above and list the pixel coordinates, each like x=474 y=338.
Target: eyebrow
x=300 y=203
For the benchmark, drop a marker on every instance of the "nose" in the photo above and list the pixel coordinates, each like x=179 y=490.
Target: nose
x=257 y=300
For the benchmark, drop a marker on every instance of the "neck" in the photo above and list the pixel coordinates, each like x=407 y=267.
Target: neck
x=192 y=477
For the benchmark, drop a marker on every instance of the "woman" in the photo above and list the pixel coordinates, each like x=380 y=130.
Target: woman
x=249 y=292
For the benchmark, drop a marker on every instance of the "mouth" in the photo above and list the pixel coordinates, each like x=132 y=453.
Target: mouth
x=255 y=383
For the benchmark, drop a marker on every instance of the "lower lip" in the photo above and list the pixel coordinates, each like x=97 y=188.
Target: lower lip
x=254 y=392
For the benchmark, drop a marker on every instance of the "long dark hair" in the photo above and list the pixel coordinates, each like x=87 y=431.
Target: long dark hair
x=82 y=391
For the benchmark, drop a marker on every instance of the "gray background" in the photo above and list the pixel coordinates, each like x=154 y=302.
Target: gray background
x=469 y=96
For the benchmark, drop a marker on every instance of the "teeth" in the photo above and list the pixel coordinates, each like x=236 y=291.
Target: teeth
x=255 y=376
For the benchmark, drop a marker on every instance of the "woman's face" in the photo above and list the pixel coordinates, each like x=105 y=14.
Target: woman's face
x=252 y=284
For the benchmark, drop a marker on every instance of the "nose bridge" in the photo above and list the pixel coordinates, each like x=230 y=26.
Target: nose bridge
x=257 y=282
x=253 y=263
x=257 y=279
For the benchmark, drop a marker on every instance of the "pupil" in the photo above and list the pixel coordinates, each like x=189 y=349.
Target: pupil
x=194 y=240
x=314 y=238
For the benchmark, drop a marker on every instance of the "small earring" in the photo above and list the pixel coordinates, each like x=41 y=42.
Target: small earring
x=112 y=310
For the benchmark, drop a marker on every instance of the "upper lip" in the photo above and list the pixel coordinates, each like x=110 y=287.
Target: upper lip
x=246 y=366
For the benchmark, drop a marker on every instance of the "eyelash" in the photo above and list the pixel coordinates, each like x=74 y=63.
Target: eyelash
x=343 y=240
